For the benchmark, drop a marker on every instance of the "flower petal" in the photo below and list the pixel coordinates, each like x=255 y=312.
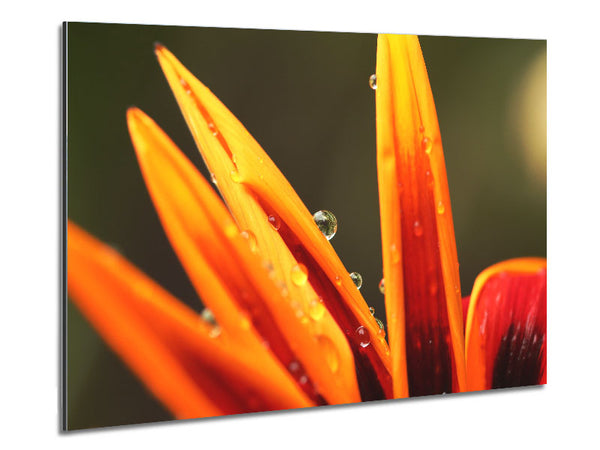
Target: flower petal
x=506 y=326
x=422 y=288
x=229 y=276
x=166 y=344
x=263 y=202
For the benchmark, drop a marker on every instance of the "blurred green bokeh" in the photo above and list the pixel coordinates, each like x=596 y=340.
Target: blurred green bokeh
x=305 y=97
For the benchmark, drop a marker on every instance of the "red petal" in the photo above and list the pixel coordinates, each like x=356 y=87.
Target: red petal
x=506 y=326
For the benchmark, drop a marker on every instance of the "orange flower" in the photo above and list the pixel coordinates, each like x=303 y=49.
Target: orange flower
x=292 y=329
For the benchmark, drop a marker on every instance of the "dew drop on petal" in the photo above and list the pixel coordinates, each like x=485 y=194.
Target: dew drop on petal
x=380 y=323
x=427 y=145
x=213 y=178
x=330 y=352
x=294 y=367
x=251 y=238
x=316 y=309
x=373 y=81
x=395 y=253
x=363 y=336
x=441 y=208
x=326 y=222
x=208 y=316
x=245 y=323
x=421 y=128
x=382 y=286
x=357 y=279
x=231 y=230
x=274 y=221
x=299 y=274
x=213 y=129
x=418 y=228
x=372 y=310
x=215 y=332
x=338 y=280
x=235 y=176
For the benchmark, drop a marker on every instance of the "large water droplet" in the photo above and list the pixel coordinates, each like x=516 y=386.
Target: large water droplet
x=326 y=222
x=373 y=81
x=251 y=238
x=299 y=274
x=328 y=348
x=418 y=228
x=274 y=221
x=357 y=279
x=363 y=336
x=382 y=286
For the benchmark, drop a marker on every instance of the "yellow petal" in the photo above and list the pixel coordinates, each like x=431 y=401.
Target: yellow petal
x=176 y=354
x=262 y=201
x=229 y=277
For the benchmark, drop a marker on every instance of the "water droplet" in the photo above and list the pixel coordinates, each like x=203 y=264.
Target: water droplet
x=316 y=309
x=338 y=280
x=208 y=316
x=186 y=87
x=373 y=81
x=231 y=230
x=299 y=274
x=418 y=228
x=328 y=348
x=433 y=288
x=395 y=253
x=380 y=323
x=427 y=145
x=382 y=286
x=215 y=332
x=235 y=176
x=357 y=279
x=294 y=367
x=213 y=178
x=326 y=222
x=364 y=337
x=251 y=238
x=213 y=129
x=245 y=323
x=372 y=310
x=421 y=128
x=440 y=208
x=274 y=221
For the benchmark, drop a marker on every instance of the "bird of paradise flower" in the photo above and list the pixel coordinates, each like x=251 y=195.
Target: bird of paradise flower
x=291 y=329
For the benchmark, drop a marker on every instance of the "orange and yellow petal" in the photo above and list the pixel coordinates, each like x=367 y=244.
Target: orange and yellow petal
x=190 y=369
x=420 y=265
x=506 y=326
x=231 y=278
x=266 y=207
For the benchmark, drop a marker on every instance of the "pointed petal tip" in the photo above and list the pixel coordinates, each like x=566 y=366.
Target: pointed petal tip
x=158 y=47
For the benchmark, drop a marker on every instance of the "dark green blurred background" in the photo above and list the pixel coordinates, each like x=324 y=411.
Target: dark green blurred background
x=305 y=97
